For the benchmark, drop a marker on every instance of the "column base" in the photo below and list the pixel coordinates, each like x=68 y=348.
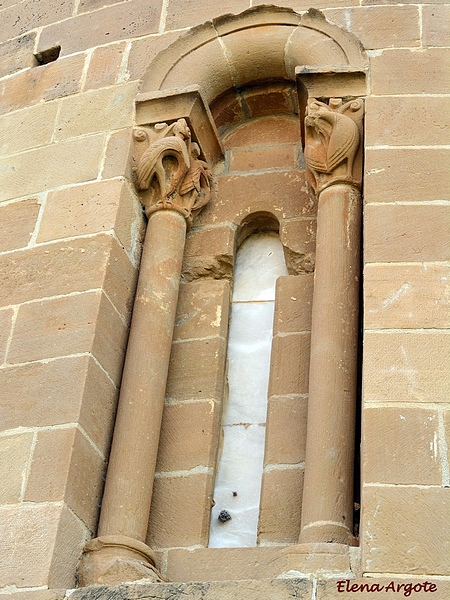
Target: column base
x=116 y=559
x=321 y=559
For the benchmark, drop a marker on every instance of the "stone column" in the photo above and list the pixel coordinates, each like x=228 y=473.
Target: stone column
x=175 y=186
x=332 y=153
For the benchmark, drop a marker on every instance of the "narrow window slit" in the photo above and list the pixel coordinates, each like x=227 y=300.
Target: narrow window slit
x=260 y=261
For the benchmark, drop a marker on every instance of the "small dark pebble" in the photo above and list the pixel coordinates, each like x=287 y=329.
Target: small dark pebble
x=224 y=516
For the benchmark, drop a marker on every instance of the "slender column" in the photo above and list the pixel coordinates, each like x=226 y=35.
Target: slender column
x=332 y=136
x=176 y=186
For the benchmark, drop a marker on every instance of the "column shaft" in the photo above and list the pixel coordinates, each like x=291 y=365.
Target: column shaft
x=327 y=509
x=129 y=483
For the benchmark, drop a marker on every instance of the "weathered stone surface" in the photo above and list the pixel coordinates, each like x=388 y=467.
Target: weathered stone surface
x=400 y=297
x=27 y=128
x=406 y=121
x=289 y=368
x=180 y=511
x=380 y=26
x=406 y=367
x=40 y=546
x=286 y=430
x=20 y=19
x=70 y=325
x=60 y=391
x=202 y=310
x=405 y=174
x=298 y=237
x=268 y=130
x=413 y=233
x=66 y=466
x=96 y=110
x=396 y=540
x=54 y=165
x=108 y=24
x=17 y=54
x=189 y=436
x=410 y=72
x=400 y=446
x=293 y=304
x=46 y=82
x=39 y=595
x=436 y=25
x=262 y=158
x=15 y=451
x=209 y=253
x=19 y=220
x=6 y=317
x=104 y=66
x=211 y=590
x=66 y=267
x=281 y=505
x=222 y=564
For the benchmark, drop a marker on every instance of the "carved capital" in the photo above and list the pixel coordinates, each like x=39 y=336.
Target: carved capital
x=333 y=134
x=169 y=170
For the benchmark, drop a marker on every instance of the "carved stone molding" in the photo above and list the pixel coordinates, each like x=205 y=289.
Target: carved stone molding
x=333 y=134
x=171 y=170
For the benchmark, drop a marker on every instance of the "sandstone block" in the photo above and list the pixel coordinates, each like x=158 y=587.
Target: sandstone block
x=108 y=24
x=413 y=541
x=15 y=451
x=400 y=297
x=66 y=267
x=118 y=162
x=262 y=158
x=210 y=590
x=96 y=110
x=406 y=367
x=281 y=193
x=281 y=506
x=19 y=220
x=180 y=511
x=92 y=208
x=40 y=595
x=202 y=310
x=289 y=369
x=19 y=19
x=66 y=466
x=399 y=446
x=410 y=72
x=436 y=25
x=182 y=13
x=412 y=233
x=70 y=325
x=46 y=82
x=277 y=98
x=145 y=49
x=6 y=317
x=406 y=121
x=298 y=237
x=199 y=379
x=48 y=552
x=54 y=165
x=380 y=26
x=104 y=66
x=286 y=430
x=293 y=304
x=62 y=391
x=264 y=131
x=397 y=174
x=27 y=128
x=17 y=54
x=189 y=436
x=222 y=564
x=210 y=242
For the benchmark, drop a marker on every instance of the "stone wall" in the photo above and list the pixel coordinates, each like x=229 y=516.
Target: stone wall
x=72 y=234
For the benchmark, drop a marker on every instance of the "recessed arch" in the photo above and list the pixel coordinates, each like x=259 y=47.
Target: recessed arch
x=261 y=43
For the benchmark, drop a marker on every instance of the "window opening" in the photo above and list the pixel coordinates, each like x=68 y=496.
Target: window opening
x=234 y=518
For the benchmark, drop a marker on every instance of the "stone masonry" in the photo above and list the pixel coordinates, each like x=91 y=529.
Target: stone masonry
x=77 y=78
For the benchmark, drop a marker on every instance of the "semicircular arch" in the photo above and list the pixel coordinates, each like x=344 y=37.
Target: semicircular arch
x=262 y=43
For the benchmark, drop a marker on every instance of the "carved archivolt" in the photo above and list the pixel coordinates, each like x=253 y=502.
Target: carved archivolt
x=332 y=142
x=171 y=170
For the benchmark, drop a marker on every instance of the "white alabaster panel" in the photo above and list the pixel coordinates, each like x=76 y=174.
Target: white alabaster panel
x=240 y=473
x=249 y=348
x=260 y=261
